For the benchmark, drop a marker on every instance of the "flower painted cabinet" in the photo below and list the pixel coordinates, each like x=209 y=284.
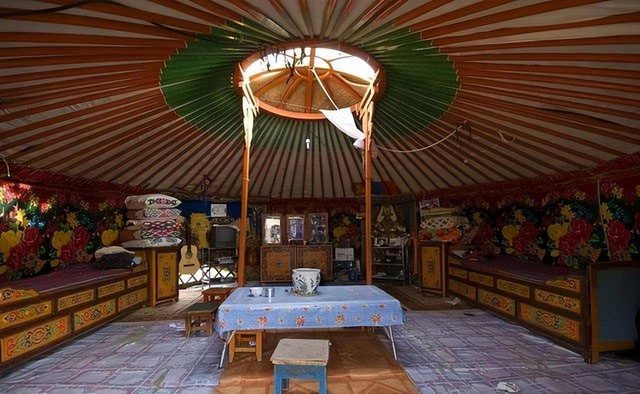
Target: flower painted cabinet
x=163 y=273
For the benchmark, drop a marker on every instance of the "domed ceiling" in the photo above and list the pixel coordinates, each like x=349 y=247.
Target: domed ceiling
x=145 y=93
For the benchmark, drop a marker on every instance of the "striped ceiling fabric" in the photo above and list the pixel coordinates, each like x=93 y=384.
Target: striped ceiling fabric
x=142 y=93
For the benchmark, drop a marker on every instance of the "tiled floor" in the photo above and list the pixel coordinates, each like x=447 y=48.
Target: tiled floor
x=449 y=351
x=139 y=357
x=443 y=351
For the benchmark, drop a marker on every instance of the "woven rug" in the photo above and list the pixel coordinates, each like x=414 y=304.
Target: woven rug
x=358 y=363
x=412 y=300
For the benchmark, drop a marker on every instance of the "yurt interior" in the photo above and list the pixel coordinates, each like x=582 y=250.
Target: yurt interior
x=313 y=196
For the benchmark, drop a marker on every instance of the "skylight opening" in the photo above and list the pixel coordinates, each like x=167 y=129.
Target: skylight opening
x=323 y=59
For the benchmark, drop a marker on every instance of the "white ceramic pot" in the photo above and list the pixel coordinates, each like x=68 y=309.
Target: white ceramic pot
x=306 y=280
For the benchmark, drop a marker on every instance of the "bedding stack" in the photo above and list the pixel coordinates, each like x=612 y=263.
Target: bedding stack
x=152 y=221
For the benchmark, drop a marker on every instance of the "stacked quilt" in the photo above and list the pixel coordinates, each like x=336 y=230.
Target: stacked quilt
x=152 y=221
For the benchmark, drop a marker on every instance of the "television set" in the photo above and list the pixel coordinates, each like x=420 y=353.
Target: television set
x=223 y=237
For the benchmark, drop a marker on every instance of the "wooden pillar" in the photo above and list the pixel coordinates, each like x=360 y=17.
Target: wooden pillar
x=244 y=206
x=249 y=109
x=368 y=244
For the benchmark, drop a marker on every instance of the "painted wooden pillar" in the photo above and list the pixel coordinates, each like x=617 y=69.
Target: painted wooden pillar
x=242 y=247
x=368 y=244
x=249 y=111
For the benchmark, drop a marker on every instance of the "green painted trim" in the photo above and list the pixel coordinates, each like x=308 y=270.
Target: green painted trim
x=197 y=84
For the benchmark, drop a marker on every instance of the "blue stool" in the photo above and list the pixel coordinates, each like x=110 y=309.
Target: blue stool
x=300 y=359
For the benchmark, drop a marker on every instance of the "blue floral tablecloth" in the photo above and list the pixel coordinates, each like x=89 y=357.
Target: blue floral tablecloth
x=333 y=306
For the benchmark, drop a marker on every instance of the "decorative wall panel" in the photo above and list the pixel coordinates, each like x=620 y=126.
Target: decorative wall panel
x=75 y=299
x=559 y=325
x=33 y=338
x=110 y=289
x=92 y=315
x=496 y=301
x=513 y=288
x=25 y=314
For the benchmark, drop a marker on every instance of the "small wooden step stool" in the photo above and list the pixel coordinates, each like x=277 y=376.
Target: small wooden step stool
x=241 y=343
x=216 y=294
x=300 y=359
x=199 y=317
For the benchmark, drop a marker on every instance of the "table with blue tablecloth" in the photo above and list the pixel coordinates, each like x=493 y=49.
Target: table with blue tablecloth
x=331 y=307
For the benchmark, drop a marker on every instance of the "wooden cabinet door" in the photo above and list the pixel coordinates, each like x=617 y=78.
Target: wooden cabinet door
x=167 y=275
x=277 y=263
x=432 y=268
x=316 y=257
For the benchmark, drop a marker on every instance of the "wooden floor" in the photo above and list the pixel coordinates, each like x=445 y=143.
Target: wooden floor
x=168 y=311
x=411 y=298
x=358 y=363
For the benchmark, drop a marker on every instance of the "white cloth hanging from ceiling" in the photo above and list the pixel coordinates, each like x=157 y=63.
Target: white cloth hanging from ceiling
x=343 y=119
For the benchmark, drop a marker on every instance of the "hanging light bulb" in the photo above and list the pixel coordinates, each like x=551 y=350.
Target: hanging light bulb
x=308 y=142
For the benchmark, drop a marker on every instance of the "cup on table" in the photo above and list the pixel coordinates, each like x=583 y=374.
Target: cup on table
x=256 y=291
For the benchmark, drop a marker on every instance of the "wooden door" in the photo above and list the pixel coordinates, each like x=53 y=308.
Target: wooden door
x=432 y=267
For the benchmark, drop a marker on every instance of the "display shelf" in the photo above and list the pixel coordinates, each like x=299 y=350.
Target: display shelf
x=390 y=263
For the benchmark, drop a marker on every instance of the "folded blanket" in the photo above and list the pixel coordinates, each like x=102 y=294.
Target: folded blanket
x=151 y=201
x=152 y=243
x=151 y=213
x=150 y=224
x=129 y=235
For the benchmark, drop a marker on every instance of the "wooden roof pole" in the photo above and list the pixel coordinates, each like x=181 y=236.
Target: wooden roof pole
x=249 y=110
x=365 y=111
x=368 y=244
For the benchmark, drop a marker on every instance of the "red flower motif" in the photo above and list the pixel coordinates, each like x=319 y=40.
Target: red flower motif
x=31 y=238
x=567 y=244
x=582 y=229
x=16 y=257
x=528 y=232
x=636 y=223
x=519 y=244
x=80 y=237
x=67 y=252
x=484 y=234
x=619 y=236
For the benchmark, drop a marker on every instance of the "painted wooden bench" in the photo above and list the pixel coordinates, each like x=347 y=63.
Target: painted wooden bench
x=42 y=312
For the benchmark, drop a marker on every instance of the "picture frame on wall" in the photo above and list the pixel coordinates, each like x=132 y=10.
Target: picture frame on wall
x=273 y=229
x=218 y=210
x=318 y=228
x=295 y=228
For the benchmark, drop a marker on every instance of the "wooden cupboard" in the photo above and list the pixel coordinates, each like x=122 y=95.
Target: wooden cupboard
x=277 y=262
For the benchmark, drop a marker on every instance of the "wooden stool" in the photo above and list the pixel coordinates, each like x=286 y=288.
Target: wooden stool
x=216 y=294
x=199 y=317
x=241 y=343
x=300 y=359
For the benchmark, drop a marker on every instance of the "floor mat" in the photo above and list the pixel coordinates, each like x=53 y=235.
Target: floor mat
x=358 y=363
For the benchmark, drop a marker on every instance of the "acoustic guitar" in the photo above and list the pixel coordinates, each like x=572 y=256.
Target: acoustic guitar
x=189 y=263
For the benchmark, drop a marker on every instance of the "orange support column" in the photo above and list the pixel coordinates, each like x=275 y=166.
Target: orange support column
x=368 y=244
x=242 y=247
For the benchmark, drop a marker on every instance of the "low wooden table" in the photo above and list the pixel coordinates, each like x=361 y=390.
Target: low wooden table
x=199 y=317
x=300 y=359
